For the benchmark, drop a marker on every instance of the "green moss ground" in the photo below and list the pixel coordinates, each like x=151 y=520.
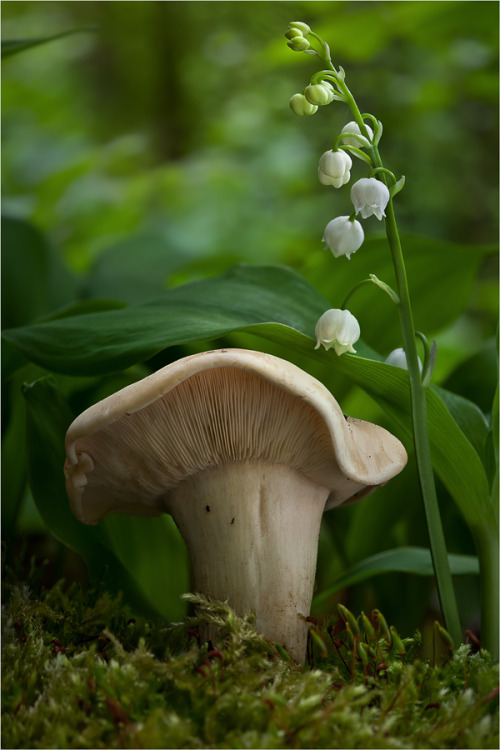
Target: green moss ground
x=79 y=672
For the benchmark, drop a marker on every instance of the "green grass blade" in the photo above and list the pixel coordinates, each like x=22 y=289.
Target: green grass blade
x=416 y=560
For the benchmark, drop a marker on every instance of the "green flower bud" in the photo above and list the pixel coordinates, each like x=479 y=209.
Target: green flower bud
x=300 y=105
x=293 y=34
x=319 y=93
x=300 y=26
x=299 y=44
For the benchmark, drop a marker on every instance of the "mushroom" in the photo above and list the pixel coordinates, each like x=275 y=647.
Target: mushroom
x=245 y=451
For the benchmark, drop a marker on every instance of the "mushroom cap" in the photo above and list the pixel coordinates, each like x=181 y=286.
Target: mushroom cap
x=130 y=450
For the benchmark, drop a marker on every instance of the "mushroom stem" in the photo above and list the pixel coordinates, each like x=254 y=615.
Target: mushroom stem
x=252 y=532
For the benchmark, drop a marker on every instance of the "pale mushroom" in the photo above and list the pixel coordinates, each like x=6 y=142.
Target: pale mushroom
x=245 y=451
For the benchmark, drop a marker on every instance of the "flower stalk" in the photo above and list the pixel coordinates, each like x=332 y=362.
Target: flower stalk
x=417 y=388
x=421 y=437
x=437 y=541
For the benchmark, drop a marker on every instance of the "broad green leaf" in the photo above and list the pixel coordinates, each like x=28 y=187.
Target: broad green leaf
x=146 y=561
x=494 y=425
x=85 y=307
x=477 y=376
x=440 y=275
x=24 y=273
x=492 y=454
x=155 y=554
x=468 y=416
x=372 y=523
x=14 y=46
x=105 y=342
x=134 y=270
x=415 y=560
x=12 y=360
x=13 y=462
x=34 y=280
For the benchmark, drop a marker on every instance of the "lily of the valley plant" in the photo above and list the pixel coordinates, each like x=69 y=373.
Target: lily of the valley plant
x=372 y=196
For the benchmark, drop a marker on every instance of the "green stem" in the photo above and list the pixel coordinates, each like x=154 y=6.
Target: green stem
x=421 y=438
x=418 y=406
x=486 y=543
x=354 y=289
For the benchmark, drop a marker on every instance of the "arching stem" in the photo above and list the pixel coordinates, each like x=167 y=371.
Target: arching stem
x=417 y=393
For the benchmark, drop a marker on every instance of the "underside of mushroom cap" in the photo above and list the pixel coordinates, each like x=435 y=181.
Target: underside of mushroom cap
x=127 y=452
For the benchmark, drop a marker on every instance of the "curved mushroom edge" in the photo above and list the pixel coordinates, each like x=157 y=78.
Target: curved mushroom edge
x=366 y=453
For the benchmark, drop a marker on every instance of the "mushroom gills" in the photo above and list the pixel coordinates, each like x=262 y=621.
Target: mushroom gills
x=213 y=417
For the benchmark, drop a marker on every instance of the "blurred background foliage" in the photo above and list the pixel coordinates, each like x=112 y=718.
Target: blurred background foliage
x=171 y=120
x=158 y=148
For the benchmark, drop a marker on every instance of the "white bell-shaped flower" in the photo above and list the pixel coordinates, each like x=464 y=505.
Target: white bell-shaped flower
x=338 y=330
x=370 y=197
x=334 y=168
x=343 y=236
x=397 y=358
x=353 y=127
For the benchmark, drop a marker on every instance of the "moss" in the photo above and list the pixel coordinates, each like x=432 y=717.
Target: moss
x=79 y=672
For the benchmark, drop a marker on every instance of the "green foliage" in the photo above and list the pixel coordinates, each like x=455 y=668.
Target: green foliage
x=34 y=280
x=13 y=47
x=106 y=342
x=208 y=127
x=441 y=277
x=405 y=559
x=277 y=306
x=209 y=169
x=78 y=671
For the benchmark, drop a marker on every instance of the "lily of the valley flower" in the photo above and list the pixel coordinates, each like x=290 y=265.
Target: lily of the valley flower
x=334 y=168
x=300 y=105
x=338 y=330
x=397 y=358
x=353 y=127
x=370 y=197
x=343 y=236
